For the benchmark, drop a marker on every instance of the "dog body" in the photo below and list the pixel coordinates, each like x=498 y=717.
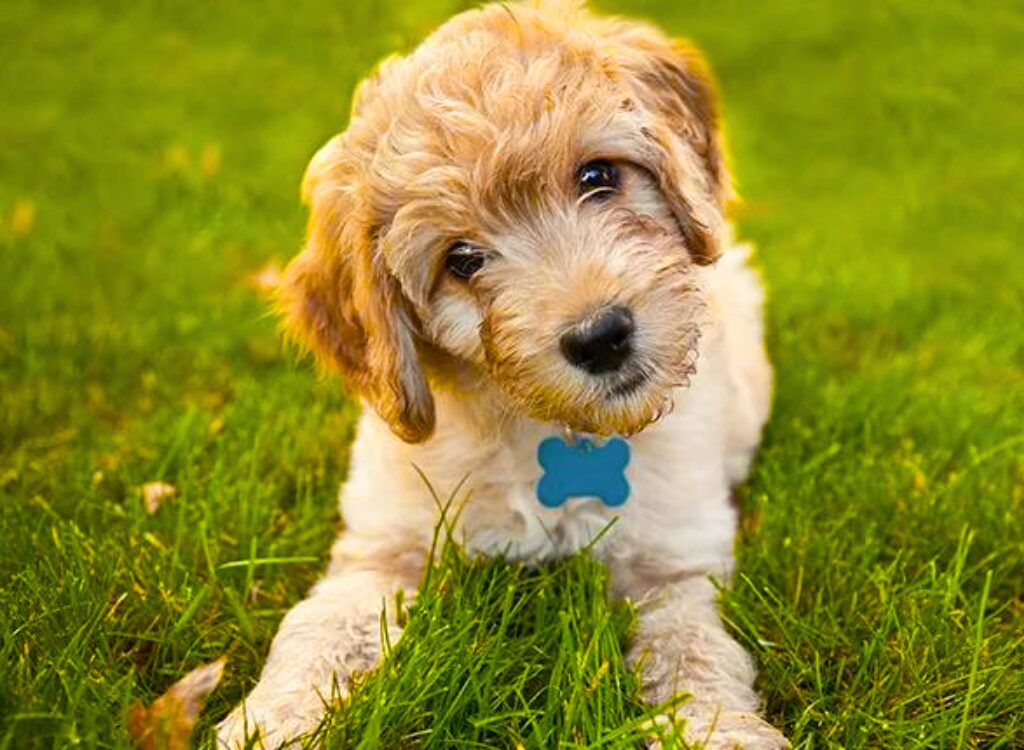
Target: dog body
x=522 y=231
x=678 y=518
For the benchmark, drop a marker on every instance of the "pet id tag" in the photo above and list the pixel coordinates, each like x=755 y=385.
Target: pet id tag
x=582 y=468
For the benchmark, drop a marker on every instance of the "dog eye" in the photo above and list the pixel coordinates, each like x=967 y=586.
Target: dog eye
x=464 y=260
x=599 y=176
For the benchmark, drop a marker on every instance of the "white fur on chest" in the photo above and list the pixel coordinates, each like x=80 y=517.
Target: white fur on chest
x=678 y=515
x=677 y=511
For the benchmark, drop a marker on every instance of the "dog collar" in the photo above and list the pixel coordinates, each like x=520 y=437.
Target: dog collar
x=576 y=466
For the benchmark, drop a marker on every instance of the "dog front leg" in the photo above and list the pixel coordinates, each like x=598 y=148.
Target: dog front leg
x=684 y=650
x=325 y=639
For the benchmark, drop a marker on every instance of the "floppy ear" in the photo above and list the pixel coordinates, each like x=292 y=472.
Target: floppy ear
x=340 y=301
x=673 y=84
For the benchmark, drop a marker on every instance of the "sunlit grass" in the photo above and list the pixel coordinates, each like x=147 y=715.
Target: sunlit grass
x=150 y=157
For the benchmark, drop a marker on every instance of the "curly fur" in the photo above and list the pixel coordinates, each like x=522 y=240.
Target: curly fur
x=476 y=137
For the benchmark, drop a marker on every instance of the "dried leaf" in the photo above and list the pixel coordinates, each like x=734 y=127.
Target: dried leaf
x=209 y=160
x=23 y=217
x=168 y=723
x=154 y=494
x=267 y=279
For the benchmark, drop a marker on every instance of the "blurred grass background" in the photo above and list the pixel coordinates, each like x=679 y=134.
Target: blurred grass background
x=150 y=154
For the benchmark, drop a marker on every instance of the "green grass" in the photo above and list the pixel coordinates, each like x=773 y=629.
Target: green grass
x=150 y=157
x=543 y=669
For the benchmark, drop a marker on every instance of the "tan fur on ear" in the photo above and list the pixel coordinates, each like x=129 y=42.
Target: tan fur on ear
x=673 y=83
x=339 y=300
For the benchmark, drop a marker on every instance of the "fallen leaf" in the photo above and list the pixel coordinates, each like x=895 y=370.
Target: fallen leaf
x=154 y=494
x=23 y=217
x=267 y=279
x=209 y=160
x=168 y=723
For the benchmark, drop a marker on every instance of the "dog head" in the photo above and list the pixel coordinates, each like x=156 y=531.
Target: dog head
x=523 y=197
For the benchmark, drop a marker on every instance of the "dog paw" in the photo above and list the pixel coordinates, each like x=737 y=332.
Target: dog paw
x=234 y=732
x=262 y=730
x=728 y=730
x=241 y=730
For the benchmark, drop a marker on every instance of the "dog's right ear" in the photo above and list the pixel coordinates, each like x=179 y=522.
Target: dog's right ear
x=341 y=302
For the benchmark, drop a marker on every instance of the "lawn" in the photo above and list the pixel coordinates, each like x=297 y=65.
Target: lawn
x=150 y=157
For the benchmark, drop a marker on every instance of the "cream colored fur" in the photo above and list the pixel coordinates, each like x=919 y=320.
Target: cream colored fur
x=475 y=137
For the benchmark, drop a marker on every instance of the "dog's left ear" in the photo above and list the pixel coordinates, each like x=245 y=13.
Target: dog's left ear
x=673 y=84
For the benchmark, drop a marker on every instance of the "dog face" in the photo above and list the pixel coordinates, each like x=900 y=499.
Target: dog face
x=524 y=197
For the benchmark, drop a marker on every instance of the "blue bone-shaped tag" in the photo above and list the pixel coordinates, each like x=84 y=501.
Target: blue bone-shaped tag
x=582 y=469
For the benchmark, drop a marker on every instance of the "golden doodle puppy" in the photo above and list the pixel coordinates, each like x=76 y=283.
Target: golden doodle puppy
x=522 y=235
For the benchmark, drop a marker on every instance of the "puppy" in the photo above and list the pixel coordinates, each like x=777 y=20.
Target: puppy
x=522 y=234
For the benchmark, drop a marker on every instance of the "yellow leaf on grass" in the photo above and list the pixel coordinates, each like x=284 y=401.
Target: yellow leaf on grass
x=209 y=160
x=23 y=217
x=266 y=279
x=154 y=494
x=168 y=723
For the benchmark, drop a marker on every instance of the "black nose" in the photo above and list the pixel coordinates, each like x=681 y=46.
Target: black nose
x=602 y=342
